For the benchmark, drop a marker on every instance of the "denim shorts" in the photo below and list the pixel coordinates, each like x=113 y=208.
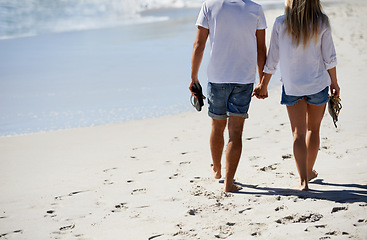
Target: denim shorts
x=229 y=99
x=319 y=98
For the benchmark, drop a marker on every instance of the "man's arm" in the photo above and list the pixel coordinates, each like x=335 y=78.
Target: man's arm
x=197 y=53
x=261 y=51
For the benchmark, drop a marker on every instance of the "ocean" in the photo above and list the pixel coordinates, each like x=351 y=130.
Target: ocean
x=80 y=63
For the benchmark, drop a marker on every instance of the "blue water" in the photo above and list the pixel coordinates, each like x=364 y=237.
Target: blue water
x=133 y=66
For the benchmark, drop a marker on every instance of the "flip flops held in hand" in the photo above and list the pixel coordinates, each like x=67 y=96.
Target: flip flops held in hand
x=334 y=107
x=197 y=100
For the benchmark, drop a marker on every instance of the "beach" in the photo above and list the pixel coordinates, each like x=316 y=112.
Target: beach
x=151 y=179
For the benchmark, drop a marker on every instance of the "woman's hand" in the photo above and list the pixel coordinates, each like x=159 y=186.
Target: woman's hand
x=335 y=89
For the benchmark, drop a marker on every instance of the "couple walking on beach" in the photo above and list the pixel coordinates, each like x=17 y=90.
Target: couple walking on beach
x=301 y=41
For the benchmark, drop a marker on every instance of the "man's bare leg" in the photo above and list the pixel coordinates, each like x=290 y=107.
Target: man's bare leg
x=217 y=145
x=233 y=152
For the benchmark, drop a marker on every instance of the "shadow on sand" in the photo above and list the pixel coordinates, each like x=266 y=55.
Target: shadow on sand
x=346 y=193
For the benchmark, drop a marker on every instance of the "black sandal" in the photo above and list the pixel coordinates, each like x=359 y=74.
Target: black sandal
x=197 y=100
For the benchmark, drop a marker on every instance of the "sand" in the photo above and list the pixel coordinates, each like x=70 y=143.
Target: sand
x=151 y=179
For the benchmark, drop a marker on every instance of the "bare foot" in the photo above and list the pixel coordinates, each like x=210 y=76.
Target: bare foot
x=313 y=175
x=233 y=188
x=217 y=174
x=302 y=187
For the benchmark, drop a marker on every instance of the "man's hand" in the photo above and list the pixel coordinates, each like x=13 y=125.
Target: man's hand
x=192 y=83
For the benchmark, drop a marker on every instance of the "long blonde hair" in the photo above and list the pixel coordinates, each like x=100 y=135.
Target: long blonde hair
x=303 y=19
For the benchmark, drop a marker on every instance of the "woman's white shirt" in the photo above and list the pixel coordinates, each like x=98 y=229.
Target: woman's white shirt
x=303 y=69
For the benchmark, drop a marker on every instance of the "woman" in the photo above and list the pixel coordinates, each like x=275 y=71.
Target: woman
x=301 y=41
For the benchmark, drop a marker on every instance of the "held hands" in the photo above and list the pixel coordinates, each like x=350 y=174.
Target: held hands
x=260 y=91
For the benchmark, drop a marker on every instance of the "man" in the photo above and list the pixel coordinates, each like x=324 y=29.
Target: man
x=236 y=29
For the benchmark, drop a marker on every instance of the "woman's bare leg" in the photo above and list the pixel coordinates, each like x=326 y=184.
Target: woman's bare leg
x=297 y=116
x=315 y=113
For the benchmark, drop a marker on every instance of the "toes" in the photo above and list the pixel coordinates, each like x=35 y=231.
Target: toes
x=233 y=188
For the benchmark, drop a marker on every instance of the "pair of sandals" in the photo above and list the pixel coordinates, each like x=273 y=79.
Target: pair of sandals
x=334 y=107
x=197 y=99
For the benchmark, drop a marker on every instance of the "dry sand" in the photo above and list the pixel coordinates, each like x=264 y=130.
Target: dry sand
x=151 y=179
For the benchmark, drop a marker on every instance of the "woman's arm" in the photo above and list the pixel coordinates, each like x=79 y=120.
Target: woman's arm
x=334 y=86
x=261 y=90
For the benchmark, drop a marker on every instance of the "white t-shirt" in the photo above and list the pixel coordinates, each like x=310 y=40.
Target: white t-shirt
x=303 y=70
x=232 y=27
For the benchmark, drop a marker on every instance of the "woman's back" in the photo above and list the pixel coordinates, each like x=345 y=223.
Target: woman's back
x=303 y=65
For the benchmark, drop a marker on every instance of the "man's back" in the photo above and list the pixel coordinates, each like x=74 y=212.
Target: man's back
x=232 y=27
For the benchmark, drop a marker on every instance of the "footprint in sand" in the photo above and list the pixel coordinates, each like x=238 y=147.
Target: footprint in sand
x=137 y=148
x=175 y=175
x=269 y=168
x=9 y=233
x=65 y=229
x=253 y=158
x=139 y=190
x=360 y=222
x=256 y=228
x=69 y=195
x=201 y=191
x=109 y=169
x=242 y=211
x=50 y=213
x=287 y=156
x=190 y=234
x=193 y=211
x=108 y=182
x=337 y=209
x=295 y=218
x=309 y=229
x=68 y=227
x=148 y=171
x=155 y=236
x=119 y=207
x=336 y=233
x=280 y=208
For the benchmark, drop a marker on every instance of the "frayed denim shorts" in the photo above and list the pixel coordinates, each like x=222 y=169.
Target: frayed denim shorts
x=319 y=98
x=229 y=99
